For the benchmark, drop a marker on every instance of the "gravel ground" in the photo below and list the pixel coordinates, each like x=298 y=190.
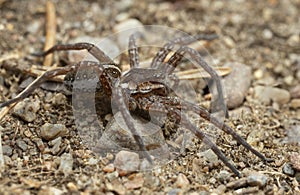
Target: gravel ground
x=259 y=40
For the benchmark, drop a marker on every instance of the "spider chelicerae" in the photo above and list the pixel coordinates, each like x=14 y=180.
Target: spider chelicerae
x=142 y=90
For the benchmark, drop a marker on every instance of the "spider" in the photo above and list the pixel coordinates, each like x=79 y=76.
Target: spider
x=142 y=90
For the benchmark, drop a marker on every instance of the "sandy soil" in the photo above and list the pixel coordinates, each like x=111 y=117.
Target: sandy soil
x=264 y=35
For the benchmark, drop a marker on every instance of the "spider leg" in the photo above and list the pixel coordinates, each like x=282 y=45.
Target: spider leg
x=119 y=100
x=50 y=74
x=186 y=40
x=177 y=57
x=207 y=116
x=133 y=52
x=173 y=107
x=91 y=48
x=187 y=124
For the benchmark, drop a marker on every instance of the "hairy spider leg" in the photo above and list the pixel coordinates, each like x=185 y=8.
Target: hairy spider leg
x=207 y=116
x=118 y=98
x=173 y=108
x=133 y=52
x=186 y=40
x=177 y=57
x=48 y=75
x=91 y=48
x=172 y=105
x=187 y=124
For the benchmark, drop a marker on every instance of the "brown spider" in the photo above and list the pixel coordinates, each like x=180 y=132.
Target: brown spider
x=141 y=91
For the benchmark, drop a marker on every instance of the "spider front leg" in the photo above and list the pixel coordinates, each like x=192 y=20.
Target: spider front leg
x=91 y=48
x=50 y=74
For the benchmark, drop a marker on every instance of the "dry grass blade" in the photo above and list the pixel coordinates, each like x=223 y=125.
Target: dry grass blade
x=199 y=73
x=5 y=110
x=50 y=31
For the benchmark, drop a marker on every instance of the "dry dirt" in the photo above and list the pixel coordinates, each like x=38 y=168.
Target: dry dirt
x=264 y=35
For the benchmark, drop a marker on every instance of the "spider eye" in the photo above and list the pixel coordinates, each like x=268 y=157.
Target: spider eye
x=114 y=73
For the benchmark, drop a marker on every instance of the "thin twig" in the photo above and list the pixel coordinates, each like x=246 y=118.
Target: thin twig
x=5 y=110
x=50 y=31
x=2 y=163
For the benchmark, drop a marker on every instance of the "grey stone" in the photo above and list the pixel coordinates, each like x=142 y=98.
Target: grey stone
x=7 y=150
x=223 y=176
x=288 y=169
x=127 y=161
x=27 y=109
x=66 y=163
x=21 y=144
x=266 y=94
x=52 y=131
x=259 y=180
x=236 y=84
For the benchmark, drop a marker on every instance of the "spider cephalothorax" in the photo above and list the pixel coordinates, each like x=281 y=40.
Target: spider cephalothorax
x=141 y=91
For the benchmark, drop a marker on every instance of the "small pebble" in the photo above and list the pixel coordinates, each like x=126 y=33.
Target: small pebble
x=136 y=182
x=295 y=160
x=33 y=26
x=237 y=183
x=236 y=84
x=112 y=176
x=295 y=103
x=223 y=176
x=288 y=169
x=27 y=109
x=116 y=186
x=220 y=189
x=93 y=161
x=174 y=191
x=151 y=181
x=72 y=187
x=59 y=99
x=127 y=161
x=258 y=74
x=288 y=79
x=39 y=143
x=182 y=181
x=55 y=143
x=267 y=34
x=295 y=92
x=293 y=134
x=294 y=40
x=266 y=94
x=66 y=163
x=46 y=190
x=209 y=155
x=52 y=131
x=297 y=176
x=7 y=150
x=109 y=168
x=257 y=179
x=21 y=144
x=229 y=42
